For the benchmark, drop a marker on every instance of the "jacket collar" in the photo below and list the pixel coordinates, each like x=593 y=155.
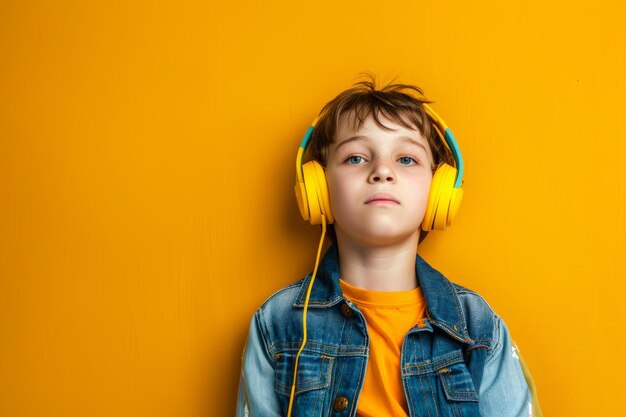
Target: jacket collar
x=443 y=306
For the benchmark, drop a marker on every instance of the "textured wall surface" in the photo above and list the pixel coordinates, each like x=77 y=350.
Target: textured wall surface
x=146 y=185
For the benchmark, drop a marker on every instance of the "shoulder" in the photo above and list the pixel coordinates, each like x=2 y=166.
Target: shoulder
x=472 y=302
x=283 y=298
x=483 y=323
x=278 y=308
x=279 y=318
x=455 y=305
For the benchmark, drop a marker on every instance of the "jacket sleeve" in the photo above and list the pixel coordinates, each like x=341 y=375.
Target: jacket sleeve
x=531 y=384
x=503 y=390
x=256 y=397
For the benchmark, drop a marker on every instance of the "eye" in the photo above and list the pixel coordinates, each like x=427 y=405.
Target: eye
x=354 y=159
x=406 y=160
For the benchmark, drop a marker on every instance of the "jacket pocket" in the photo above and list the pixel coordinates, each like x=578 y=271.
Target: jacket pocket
x=457 y=383
x=314 y=372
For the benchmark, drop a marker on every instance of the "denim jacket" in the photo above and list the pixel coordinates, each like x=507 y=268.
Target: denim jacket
x=461 y=363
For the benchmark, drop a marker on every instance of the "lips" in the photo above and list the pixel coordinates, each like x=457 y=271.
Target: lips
x=382 y=197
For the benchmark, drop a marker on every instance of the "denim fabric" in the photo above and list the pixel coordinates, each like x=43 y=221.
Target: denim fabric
x=461 y=363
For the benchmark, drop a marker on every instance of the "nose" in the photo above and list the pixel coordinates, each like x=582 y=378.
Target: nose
x=382 y=171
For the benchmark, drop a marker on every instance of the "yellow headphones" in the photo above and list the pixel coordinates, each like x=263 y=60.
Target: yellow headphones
x=444 y=197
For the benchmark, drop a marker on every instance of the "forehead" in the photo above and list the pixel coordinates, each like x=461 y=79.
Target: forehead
x=348 y=130
x=349 y=125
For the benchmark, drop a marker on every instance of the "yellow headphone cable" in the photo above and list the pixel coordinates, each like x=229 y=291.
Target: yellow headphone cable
x=306 y=306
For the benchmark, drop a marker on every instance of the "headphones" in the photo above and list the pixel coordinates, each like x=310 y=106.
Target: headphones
x=444 y=197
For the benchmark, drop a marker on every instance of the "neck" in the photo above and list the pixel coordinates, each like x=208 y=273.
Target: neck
x=381 y=268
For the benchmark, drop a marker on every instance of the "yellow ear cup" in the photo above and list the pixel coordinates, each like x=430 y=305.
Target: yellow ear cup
x=443 y=199
x=317 y=201
x=301 y=200
x=445 y=194
x=455 y=203
x=433 y=200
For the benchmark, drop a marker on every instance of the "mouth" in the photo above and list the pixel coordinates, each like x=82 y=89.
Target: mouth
x=382 y=203
x=382 y=199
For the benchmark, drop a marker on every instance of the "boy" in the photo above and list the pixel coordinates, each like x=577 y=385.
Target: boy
x=380 y=332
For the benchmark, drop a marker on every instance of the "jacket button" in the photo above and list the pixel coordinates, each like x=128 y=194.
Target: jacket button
x=346 y=310
x=340 y=404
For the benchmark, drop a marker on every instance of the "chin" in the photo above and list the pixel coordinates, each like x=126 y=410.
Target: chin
x=387 y=237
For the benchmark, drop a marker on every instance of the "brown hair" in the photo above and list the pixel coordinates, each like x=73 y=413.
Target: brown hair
x=363 y=100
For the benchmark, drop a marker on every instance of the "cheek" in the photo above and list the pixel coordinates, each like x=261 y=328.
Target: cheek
x=340 y=191
x=421 y=189
x=425 y=180
x=335 y=190
x=425 y=186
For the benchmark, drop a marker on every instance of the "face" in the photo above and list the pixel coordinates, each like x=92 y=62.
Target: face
x=378 y=182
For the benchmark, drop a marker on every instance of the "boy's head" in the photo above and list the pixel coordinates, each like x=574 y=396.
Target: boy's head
x=368 y=141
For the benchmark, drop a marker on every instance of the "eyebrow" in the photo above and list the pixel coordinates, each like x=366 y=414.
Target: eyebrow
x=402 y=138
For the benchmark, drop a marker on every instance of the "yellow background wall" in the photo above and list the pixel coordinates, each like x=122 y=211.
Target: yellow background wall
x=146 y=185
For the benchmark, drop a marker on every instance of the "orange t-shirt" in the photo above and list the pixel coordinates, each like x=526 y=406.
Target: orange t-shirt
x=389 y=317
